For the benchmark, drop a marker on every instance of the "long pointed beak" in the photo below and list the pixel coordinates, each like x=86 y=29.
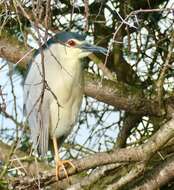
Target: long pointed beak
x=93 y=48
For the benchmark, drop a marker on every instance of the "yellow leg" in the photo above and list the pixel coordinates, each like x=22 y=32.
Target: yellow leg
x=60 y=164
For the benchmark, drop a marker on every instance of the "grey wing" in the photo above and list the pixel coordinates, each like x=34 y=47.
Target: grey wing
x=37 y=109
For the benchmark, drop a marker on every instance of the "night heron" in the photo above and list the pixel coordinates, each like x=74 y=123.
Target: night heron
x=53 y=90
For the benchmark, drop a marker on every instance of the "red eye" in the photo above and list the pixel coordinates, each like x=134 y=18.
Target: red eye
x=71 y=43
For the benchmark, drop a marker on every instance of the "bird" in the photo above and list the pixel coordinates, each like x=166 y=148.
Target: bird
x=53 y=91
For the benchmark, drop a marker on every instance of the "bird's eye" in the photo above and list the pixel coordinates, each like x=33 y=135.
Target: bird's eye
x=71 y=43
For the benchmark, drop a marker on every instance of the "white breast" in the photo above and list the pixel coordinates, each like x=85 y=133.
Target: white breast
x=57 y=112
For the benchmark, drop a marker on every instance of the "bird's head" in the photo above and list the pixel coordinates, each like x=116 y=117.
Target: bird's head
x=73 y=45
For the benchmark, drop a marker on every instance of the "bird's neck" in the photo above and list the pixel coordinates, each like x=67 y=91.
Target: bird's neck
x=73 y=70
x=72 y=65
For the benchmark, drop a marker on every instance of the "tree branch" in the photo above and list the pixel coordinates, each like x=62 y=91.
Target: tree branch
x=137 y=169
x=129 y=121
x=132 y=154
x=119 y=95
x=160 y=176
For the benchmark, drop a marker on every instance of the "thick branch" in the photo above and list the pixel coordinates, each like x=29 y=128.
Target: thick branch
x=160 y=176
x=94 y=177
x=129 y=121
x=141 y=153
x=119 y=95
x=136 y=171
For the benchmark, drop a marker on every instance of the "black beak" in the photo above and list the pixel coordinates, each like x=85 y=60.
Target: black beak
x=92 y=48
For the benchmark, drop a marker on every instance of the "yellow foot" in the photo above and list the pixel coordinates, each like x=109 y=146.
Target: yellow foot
x=61 y=165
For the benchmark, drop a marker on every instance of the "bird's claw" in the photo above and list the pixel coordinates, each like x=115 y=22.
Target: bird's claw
x=61 y=165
